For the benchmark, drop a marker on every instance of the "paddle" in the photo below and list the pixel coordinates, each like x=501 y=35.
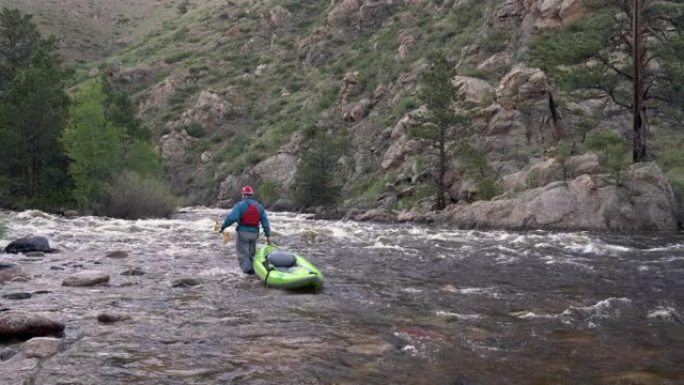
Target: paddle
x=226 y=235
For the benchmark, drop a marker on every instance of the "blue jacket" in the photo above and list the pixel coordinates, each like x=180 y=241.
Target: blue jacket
x=239 y=210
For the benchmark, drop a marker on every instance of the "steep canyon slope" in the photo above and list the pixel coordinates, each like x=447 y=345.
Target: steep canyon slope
x=234 y=91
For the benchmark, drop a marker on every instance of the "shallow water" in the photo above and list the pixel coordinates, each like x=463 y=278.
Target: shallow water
x=402 y=304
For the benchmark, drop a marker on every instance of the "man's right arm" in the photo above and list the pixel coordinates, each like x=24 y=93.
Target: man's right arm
x=232 y=217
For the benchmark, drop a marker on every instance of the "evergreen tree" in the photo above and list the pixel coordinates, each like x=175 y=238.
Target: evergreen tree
x=121 y=111
x=315 y=180
x=442 y=121
x=19 y=38
x=33 y=111
x=629 y=50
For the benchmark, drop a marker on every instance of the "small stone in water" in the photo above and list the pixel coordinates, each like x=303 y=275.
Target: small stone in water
x=117 y=254
x=186 y=282
x=109 y=318
x=7 y=353
x=137 y=272
x=16 y=296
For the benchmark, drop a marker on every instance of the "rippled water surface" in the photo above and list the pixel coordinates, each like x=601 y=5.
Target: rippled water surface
x=402 y=304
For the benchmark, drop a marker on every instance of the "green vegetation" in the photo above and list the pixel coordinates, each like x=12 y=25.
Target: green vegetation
x=106 y=160
x=133 y=196
x=94 y=145
x=3 y=229
x=268 y=192
x=474 y=164
x=443 y=124
x=33 y=111
x=670 y=155
x=316 y=182
x=612 y=151
x=563 y=152
x=597 y=53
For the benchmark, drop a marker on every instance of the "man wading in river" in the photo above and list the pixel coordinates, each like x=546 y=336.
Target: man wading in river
x=248 y=213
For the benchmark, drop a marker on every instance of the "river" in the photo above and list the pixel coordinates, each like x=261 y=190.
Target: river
x=401 y=304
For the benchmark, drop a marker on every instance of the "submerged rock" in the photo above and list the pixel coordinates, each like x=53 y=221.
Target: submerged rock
x=86 y=278
x=41 y=347
x=21 y=325
x=186 y=282
x=118 y=254
x=136 y=272
x=17 y=296
x=109 y=318
x=12 y=274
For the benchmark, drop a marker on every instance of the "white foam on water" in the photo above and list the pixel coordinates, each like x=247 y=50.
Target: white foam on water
x=464 y=317
x=506 y=249
x=533 y=315
x=506 y=260
x=216 y=272
x=679 y=246
x=410 y=349
x=571 y=263
x=411 y=290
x=486 y=291
x=380 y=245
x=607 y=308
x=665 y=313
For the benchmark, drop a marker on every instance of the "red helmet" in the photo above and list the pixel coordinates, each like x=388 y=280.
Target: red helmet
x=247 y=190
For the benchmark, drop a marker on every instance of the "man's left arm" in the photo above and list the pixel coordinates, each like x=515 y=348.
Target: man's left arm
x=265 y=224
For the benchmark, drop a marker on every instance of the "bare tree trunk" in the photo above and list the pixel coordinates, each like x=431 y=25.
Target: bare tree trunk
x=639 y=127
x=555 y=119
x=441 y=189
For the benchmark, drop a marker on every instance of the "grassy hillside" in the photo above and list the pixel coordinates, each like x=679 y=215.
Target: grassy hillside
x=91 y=30
x=281 y=64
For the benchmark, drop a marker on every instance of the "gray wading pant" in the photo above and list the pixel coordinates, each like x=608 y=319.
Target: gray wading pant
x=245 y=245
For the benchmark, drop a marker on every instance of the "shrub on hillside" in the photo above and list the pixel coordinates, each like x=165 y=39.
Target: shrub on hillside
x=268 y=192
x=316 y=183
x=133 y=197
x=612 y=150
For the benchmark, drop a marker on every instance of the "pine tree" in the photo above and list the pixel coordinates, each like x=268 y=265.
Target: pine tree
x=315 y=180
x=19 y=38
x=33 y=112
x=443 y=119
x=121 y=111
x=629 y=50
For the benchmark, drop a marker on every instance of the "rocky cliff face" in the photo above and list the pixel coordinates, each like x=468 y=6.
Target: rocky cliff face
x=590 y=202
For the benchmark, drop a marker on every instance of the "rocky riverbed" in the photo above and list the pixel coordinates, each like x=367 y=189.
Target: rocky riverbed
x=164 y=302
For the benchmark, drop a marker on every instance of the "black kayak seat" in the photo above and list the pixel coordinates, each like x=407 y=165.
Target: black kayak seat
x=281 y=259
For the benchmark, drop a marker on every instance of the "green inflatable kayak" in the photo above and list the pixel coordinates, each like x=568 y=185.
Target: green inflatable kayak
x=285 y=270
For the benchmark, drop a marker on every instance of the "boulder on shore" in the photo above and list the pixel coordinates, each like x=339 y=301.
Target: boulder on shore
x=589 y=202
x=29 y=244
